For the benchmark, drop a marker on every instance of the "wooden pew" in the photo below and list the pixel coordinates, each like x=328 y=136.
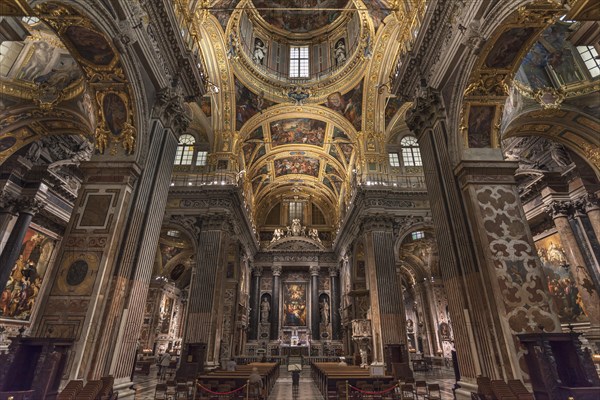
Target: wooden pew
x=219 y=379
x=327 y=377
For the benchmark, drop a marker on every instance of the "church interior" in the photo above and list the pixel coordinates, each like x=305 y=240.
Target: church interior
x=386 y=198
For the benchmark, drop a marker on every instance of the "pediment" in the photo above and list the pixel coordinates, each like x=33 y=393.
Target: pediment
x=295 y=243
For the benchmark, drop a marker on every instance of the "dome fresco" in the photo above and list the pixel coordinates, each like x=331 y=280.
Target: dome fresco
x=290 y=15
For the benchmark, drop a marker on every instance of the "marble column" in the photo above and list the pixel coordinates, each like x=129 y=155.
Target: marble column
x=489 y=280
x=315 y=317
x=559 y=211
x=255 y=303
x=27 y=208
x=591 y=204
x=388 y=319
x=7 y=213
x=336 y=325
x=275 y=306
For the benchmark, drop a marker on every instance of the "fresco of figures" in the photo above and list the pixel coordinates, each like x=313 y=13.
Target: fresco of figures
x=300 y=20
x=22 y=289
x=550 y=62
x=561 y=284
x=298 y=131
x=297 y=165
x=348 y=105
x=248 y=104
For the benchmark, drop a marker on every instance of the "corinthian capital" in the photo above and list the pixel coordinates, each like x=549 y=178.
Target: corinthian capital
x=588 y=203
x=314 y=270
x=559 y=208
x=7 y=202
x=169 y=108
x=427 y=109
x=29 y=205
x=276 y=270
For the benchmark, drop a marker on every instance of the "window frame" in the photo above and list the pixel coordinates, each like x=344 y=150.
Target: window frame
x=186 y=150
x=299 y=65
x=411 y=153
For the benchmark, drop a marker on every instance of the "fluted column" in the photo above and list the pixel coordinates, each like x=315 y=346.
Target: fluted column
x=334 y=276
x=559 y=211
x=388 y=319
x=314 y=302
x=275 y=308
x=27 y=208
x=488 y=266
x=254 y=303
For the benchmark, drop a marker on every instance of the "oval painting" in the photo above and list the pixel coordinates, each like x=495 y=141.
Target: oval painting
x=90 y=45
x=115 y=113
x=6 y=143
x=77 y=272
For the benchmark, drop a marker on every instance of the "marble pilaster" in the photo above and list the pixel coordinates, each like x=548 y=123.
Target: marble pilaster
x=387 y=307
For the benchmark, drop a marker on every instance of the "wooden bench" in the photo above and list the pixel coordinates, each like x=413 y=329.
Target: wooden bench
x=327 y=377
x=221 y=381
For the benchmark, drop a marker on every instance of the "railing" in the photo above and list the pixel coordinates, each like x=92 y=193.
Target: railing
x=205 y=179
x=414 y=182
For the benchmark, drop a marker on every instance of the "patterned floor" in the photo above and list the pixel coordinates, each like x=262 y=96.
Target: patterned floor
x=307 y=390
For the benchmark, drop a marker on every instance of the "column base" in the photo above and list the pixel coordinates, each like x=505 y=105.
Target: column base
x=464 y=391
x=125 y=388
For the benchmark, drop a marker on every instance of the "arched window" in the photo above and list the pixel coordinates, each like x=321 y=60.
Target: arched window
x=185 y=150
x=411 y=156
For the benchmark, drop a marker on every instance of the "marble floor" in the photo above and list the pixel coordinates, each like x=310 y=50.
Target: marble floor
x=145 y=384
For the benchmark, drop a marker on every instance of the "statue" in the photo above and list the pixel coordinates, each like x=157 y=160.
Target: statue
x=265 y=307
x=324 y=312
x=296 y=227
x=340 y=52
x=313 y=233
x=260 y=51
x=277 y=234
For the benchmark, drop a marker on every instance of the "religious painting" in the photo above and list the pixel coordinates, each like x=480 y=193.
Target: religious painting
x=24 y=283
x=114 y=110
x=278 y=13
x=533 y=71
x=335 y=154
x=248 y=104
x=378 y=9
x=339 y=134
x=392 y=107
x=479 y=132
x=221 y=9
x=444 y=330
x=298 y=131
x=63 y=72
x=561 y=283
x=206 y=106
x=347 y=150
x=294 y=304
x=507 y=47
x=168 y=251
x=297 y=165
x=348 y=105
x=166 y=309
x=90 y=45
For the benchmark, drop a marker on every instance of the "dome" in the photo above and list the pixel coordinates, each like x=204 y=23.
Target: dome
x=300 y=16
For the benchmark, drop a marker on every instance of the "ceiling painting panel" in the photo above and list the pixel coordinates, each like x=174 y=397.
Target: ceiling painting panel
x=304 y=131
x=297 y=164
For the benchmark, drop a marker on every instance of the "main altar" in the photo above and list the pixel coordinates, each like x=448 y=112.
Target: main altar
x=294 y=296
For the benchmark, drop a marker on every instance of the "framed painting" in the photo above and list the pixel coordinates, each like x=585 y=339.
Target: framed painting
x=294 y=304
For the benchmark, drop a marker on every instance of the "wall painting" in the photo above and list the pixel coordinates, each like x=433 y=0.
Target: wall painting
x=298 y=131
x=23 y=287
x=297 y=165
x=294 y=304
x=561 y=284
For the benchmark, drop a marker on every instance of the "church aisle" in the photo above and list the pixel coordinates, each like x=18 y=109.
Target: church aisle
x=283 y=387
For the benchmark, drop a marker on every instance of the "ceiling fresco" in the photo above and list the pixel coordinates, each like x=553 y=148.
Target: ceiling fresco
x=297 y=131
x=248 y=104
x=349 y=105
x=318 y=14
x=552 y=61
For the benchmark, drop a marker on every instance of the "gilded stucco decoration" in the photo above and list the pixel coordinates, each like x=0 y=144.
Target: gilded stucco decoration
x=495 y=69
x=103 y=72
